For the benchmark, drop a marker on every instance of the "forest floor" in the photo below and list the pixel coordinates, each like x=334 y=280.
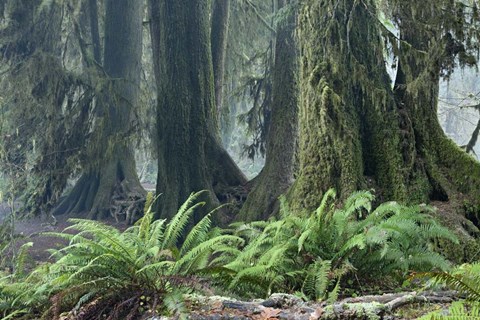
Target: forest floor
x=405 y=305
x=31 y=230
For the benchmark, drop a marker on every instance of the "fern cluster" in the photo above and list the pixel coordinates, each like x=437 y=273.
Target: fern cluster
x=312 y=254
x=142 y=270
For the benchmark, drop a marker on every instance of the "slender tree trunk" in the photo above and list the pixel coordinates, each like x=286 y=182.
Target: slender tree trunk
x=277 y=175
x=473 y=139
x=111 y=182
x=219 y=32
x=95 y=34
x=190 y=155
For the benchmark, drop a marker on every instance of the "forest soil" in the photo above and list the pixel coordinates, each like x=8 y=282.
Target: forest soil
x=30 y=230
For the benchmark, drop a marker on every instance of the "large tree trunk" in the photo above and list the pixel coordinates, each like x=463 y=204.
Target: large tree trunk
x=347 y=112
x=219 y=32
x=277 y=175
x=110 y=180
x=355 y=132
x=34 y=87
x=95 y=33
x=438 y=169
x=190 y=157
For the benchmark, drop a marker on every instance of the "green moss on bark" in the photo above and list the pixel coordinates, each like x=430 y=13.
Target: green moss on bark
x=355 y=131
x=349 y=134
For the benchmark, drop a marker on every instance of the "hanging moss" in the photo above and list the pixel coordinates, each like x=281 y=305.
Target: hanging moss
x=347 y=109
x=39 y=97
x=356 y=132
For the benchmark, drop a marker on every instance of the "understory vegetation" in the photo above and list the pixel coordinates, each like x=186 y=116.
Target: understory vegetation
x=119 y=274
x=315 y=253
x=465 y=279
x=146 y=269
x=104 y=101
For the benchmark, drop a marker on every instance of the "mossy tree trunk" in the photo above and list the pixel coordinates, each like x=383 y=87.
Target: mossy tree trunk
x=95 y=33
x=190 y=156
x=355 y=131
x=34 y=88
x=437 y=167
x=277 y=175
x=110 y=179
x=219 y=36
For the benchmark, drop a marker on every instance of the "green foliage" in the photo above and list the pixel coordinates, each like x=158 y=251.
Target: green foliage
x=5 y=238
x=10 y=289
x=466 y=280
x=313 y=254
x=8 y=238
x=120 y=274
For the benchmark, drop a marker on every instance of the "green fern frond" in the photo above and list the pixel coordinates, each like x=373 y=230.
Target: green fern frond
x=157 y=233
x=274 y=255
x=21 y=257
x=254 y=248
x=358 y=241
x=187 y=263
x=465 y=279
x=197 y=235
x=150 y=202
x=459 y=310
x=177 y=225
x=259 y=275
x=333 y=295
x=327 y=200
x=161 y=268
x=385 y=209
x=145 y=222
x=303 y=237
x=358 y=201
x=321 y=270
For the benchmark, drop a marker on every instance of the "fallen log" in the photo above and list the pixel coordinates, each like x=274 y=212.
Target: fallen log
x=289 y=307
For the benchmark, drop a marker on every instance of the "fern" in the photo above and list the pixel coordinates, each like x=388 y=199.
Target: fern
x=102 y=266
x=178 y=223
x=459 y=310
x=313 y=253
x=464 y=278
x=320 y=271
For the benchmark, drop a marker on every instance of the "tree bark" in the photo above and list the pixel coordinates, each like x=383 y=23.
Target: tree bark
x=277 y=175
x=346 y=105
x=111 y=175
x=356 y=132
x=439 y=169
x=95 y=34
x=219 y=36
x=190 y=155
x=34 y=88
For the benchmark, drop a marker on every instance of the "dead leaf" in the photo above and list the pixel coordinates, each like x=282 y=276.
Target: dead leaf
x=270 y=314
x=217 y=305
x=317 y=314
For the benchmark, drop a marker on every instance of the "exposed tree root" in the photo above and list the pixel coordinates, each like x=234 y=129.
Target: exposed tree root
x=100 y=194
